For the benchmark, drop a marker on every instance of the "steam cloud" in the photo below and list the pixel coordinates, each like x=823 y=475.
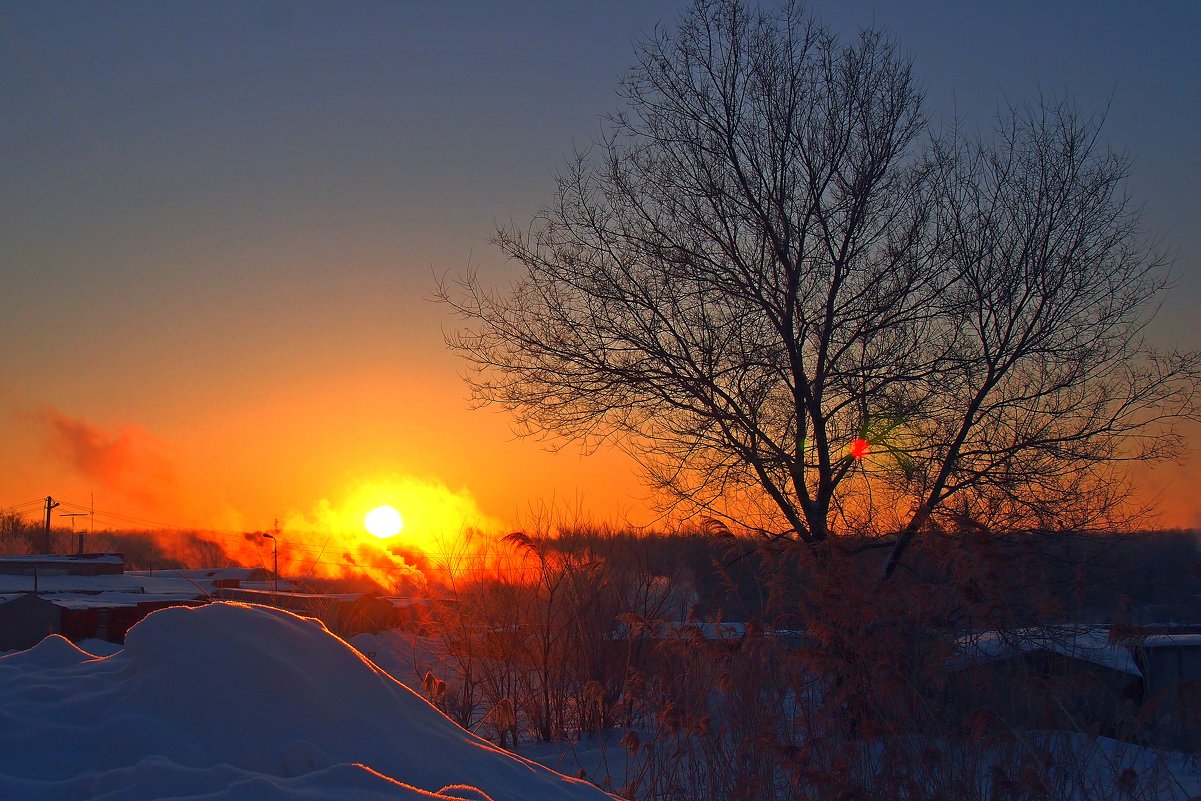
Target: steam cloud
x=128 y=461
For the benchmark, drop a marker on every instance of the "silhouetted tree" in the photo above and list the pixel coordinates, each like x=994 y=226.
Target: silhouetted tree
x=798 y=310
x=16 y=533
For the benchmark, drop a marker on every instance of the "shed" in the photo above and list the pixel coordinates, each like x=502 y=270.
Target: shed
x=1061 y=678
x=84 y=564
x=108 y=616
x=1171 y=665
x=26 y=619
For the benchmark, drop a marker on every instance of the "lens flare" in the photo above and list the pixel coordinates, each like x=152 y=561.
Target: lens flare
x=383 y=522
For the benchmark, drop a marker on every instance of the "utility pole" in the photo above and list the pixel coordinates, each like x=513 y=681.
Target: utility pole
x=274 y=558
x=50 y=504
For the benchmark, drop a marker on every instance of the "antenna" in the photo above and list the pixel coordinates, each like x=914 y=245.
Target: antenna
x=74 y=515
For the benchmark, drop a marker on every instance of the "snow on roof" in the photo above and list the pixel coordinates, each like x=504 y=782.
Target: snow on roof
x=1172 y=641
x=109 y=600
x=254 y=594
x=232 y=701
x=70 y=600
x=407 y=602
x=128 y=582
x=1088 y=643
x=704 y=629
x=73 y=558
x=211 y=573
x=270 y=584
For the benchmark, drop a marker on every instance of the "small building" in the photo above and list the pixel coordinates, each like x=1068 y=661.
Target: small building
x=27 y=618
x=83 y=564
x=1171 y=665
x=1059 y=678
x=216 y=576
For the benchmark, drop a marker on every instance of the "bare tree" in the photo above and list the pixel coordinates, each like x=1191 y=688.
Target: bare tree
x=16 y=533
x=799 y=309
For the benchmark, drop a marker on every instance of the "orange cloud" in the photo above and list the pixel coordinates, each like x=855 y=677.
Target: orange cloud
x=128 y=461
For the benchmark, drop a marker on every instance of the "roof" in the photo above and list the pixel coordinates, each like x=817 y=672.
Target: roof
x=1086 y=643
x=1172 y=641
x=213 y=573
x=127 y=582
x=701 y=629
x=75 y=601
x=88 y=564
x=101 y=600
x=246 y=594
x=407 y=602
x=72 y=558
x=106 y=600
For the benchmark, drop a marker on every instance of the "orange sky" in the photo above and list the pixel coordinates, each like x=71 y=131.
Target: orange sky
x=347 y=444
x=219 y=230
x=291 y=452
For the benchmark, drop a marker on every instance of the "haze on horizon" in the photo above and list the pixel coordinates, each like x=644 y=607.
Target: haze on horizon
x=220 y=226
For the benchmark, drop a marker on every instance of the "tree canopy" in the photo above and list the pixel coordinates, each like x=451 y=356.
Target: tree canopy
x=805 y=310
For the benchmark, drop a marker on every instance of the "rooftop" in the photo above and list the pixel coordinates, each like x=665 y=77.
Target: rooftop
x=1087 y=643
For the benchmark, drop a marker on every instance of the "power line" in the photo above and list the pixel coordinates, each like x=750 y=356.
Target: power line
x=143 y=521
x=28 y=505
x=338 y=557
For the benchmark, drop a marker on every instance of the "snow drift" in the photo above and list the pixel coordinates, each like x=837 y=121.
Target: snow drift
x=228 y=701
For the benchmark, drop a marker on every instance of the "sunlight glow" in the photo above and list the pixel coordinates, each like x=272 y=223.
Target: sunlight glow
x=859 y=448
x=338 y=537
x=383 y=522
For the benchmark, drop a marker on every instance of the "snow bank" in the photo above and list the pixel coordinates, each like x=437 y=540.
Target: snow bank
x=53 y=652
x=228 y=701
x=99 y=647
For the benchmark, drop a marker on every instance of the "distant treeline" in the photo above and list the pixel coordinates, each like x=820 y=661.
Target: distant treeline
x=1063 y=576
x=1091 y=578
x=143 y=549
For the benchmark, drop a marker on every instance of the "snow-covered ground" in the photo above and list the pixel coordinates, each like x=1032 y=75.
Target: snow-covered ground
x=1085 y=768
x=229 y=701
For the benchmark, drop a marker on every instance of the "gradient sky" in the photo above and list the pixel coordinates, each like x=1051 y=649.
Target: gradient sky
x=220 y=222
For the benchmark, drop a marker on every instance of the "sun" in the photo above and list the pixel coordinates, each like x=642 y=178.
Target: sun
x=383 y=522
